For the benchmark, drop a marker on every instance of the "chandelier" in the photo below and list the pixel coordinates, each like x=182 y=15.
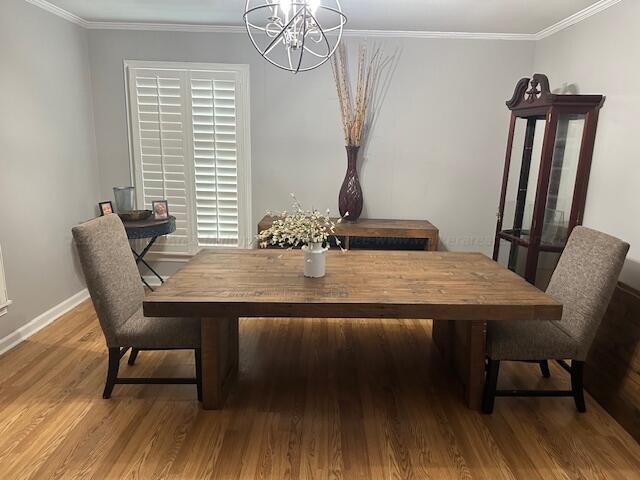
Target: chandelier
x=295 y=35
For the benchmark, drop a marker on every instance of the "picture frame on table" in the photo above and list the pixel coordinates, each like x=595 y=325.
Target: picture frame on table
x=160 y=209
x=106 y=208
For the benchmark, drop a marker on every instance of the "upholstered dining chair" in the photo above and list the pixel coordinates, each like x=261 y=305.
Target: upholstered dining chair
x=114 y=284
x=583 y=282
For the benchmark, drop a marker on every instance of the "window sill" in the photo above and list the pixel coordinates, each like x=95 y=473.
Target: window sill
x=4 y=308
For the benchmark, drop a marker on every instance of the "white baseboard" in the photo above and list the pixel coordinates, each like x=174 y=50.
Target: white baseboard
x=153 y=280
x=42 y=321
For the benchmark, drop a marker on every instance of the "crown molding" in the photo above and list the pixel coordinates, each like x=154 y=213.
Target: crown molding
x=449 y=35
x=165 y=27
x=575 y=18
x=172 y=27
x=60 y=12
x=179 y=27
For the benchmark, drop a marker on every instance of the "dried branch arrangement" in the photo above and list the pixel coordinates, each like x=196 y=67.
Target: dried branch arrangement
x=357 y=112
x=299 y=227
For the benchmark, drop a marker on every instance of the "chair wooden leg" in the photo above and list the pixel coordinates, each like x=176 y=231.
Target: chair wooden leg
x=133 y=355
x=577 y=370
x=490 y=386
x=544 y=368
x=198 y=355
x=112 y=372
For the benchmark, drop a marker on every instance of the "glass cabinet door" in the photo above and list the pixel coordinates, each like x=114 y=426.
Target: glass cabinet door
x=515 y=165
x=522 y=179
x=564 y=168
x=521 y=194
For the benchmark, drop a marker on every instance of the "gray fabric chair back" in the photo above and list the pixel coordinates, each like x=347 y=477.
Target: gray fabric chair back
x=110 y=270
x=584 y=281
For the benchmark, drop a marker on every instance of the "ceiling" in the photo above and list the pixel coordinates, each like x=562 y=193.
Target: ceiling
x=474 y=16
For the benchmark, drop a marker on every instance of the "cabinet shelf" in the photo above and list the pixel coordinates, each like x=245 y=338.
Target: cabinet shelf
x=522 y=239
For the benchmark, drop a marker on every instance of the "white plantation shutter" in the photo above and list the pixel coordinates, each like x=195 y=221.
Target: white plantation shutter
x=215 y=147
x=190 y=146
x=160 y=126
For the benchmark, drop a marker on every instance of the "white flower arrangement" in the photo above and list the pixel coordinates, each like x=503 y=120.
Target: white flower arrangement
x=300 y=227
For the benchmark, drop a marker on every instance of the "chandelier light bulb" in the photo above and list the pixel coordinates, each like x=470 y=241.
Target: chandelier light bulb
x=285 y=6
x=313 y=6
x=295 y=35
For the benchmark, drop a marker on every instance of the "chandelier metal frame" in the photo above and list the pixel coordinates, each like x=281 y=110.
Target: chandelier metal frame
x=296 y=34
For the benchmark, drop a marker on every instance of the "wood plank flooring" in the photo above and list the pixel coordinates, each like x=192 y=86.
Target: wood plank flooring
x=315 y=399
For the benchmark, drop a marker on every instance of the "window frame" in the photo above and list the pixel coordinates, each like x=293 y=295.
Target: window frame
x=243 y=119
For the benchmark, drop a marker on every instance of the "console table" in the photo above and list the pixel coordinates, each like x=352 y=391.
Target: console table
x=369 y=233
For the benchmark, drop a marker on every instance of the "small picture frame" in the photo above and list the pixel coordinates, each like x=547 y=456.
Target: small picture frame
x=106 y=208
x=160 y=209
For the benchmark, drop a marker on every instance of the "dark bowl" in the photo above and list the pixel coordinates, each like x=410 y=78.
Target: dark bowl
x=135 y=215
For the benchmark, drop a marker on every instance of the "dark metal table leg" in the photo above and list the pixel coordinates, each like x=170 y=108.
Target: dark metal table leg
x=140 y=259
x=146 y=284
x=152 y=270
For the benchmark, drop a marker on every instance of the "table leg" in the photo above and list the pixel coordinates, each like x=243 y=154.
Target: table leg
x=140 y=259
x=474 y=362
x=432 y=243
x=463 y=345
x=442 y=336
x=144 y=262
x=220 y=348
x=146 y=283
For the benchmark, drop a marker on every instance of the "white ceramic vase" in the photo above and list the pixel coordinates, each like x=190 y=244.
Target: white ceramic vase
x=314 y=260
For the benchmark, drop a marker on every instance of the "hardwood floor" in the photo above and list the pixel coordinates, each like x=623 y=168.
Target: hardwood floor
x=315 y=399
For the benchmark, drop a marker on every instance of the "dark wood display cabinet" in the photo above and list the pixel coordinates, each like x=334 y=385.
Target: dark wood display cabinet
x=546 y=172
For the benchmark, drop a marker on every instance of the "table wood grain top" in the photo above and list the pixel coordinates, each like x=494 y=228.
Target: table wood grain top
x=358 y=284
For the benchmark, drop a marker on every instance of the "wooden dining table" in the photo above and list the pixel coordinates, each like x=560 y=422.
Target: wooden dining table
x=459 y=292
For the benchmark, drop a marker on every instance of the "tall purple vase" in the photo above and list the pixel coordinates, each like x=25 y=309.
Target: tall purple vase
x=350 y=198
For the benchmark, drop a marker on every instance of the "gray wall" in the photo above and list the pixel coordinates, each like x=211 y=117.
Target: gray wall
x=436 y=152
x=48 y=168
x=600 y=55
